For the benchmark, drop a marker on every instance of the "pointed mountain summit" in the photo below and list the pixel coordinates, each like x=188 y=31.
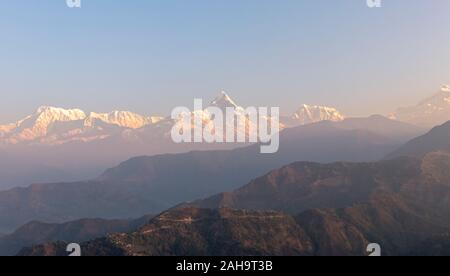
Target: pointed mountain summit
x=223 y=101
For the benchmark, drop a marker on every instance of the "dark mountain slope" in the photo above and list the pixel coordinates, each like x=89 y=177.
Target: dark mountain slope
x=302 y=186
x=400 y=204
x=75 y=231
x=193 y=232
x=437 y=139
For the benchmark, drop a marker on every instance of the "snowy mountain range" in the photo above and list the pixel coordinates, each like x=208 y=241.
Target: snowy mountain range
x=308 y=114
x=430 y=112
x=52 y=125
x=56 y=126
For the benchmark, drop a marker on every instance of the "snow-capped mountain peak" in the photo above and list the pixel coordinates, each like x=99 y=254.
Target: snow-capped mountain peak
x=52 y=114
x=38 y=124
x=45 y=116
x=223 y=101
x=307 y=114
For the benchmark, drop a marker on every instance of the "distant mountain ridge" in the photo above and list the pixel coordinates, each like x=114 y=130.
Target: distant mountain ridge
x=429 y=113
x=383 y=126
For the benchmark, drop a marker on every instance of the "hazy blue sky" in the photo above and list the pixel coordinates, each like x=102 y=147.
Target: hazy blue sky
x=150 y=55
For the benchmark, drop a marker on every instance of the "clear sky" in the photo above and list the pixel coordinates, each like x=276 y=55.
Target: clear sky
x=150 y=55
